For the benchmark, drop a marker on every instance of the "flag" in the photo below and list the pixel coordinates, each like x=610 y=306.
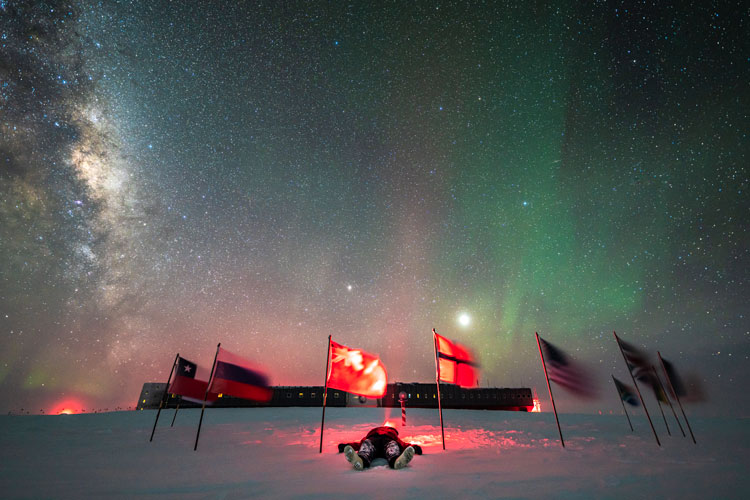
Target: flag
x=563 y=371
x=236 y=376
x=647 y=375
x=626 y=393
x=356 y=371
x=635 y=356
x=186 y=385
x=456 y=364
x=676 y=381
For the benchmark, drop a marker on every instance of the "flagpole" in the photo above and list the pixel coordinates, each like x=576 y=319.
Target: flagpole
x=163 y=396
x=175 y=412
x=617 y=339
x=325 y=395
x=663 y=390
x=676 y=396
x=658 y=401
x=549 y=388
x=205 y=397
x=437 y=383
x=623 y=404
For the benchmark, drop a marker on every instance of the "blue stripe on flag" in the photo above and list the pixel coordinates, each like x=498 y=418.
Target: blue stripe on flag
x=228 y=371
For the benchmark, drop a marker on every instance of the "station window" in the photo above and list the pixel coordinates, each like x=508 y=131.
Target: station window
x=301 y=394
x=336 y=395
x=312 y=394
x=417 y=395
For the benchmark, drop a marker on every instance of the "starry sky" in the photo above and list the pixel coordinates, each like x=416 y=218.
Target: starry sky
x=266 y=174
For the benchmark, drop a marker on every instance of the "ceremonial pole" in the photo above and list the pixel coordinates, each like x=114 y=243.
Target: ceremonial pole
x=164 y=396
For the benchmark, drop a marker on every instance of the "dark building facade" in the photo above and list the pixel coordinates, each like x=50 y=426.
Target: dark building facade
x=416 y=395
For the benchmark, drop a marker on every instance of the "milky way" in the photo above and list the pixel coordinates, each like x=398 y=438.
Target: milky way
x=174 y=176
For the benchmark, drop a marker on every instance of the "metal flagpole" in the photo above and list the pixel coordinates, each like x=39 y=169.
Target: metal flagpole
x=658 y=401
x=164 y=396
x=676 y=396
x=623 y=403
x=205 y=397
x=325 y=395
x=636 y=388
x=664 y=391
x=549 y=388
x=437 y=383
x=175 y=413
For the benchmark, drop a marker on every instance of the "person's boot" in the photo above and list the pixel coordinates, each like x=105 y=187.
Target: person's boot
x=355 y=459
x=404 y=458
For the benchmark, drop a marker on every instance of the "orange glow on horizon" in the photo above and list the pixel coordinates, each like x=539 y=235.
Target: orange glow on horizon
x=67 y=406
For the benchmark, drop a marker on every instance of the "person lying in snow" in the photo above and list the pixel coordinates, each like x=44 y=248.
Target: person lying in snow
x=380 y=442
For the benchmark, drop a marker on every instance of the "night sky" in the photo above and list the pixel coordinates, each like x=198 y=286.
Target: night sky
x=265 y=174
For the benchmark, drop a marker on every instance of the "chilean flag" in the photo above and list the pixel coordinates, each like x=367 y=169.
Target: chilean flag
x=236 y=376
x=356 y=371
x=186 y=385
x=456 y=365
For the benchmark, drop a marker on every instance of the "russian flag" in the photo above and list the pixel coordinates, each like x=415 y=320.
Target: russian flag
x=236 y=376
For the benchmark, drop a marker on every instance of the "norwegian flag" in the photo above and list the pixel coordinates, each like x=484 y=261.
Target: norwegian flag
x=356 y=371
x=456 y=364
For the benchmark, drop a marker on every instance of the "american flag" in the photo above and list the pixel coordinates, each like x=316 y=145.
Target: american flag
x=566 y=373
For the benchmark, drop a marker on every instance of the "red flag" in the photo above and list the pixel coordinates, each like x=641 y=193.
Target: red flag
x=186 y=385
x=356 y=371
x=456 y=363
x=236 y=376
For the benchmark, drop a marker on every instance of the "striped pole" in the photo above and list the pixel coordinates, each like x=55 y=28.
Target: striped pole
x=403 y=410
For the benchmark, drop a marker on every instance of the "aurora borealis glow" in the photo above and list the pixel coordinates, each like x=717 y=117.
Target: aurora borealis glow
x=180 y=174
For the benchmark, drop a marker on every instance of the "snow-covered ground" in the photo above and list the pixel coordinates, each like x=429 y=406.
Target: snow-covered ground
x=273 y=453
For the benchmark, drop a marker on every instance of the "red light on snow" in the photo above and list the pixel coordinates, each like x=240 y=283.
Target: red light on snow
x=388 y=423
x=66 y=407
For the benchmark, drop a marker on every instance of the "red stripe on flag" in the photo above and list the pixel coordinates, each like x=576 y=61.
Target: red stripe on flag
x=240 y=390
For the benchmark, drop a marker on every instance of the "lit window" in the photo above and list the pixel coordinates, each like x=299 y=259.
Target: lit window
x=144 y=400
x=301 y=394
x=312 y=394
x=221 y=395
x=433 y=396
x=417 y=395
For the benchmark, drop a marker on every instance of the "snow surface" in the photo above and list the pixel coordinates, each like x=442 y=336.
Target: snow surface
x=273 y=453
